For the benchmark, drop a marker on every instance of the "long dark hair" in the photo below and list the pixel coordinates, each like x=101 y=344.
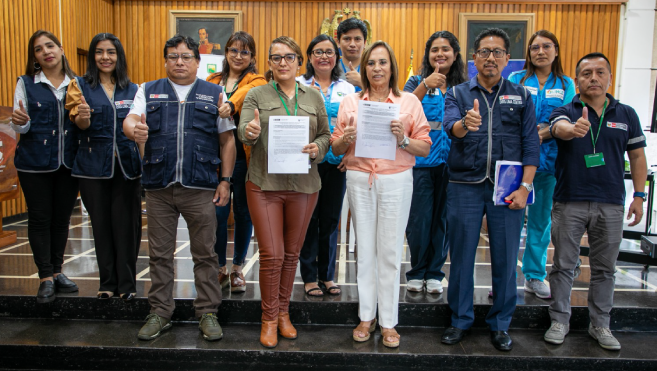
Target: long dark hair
x=310 y=70
x=456 y=74
x=33 y=67
x=120 y=73
x=247 y=41
x=557 y=69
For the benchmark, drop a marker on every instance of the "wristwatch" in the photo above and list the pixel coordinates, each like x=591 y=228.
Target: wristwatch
x=227 y=179
x=641 y=194
x=404 y=143
x=528 y=186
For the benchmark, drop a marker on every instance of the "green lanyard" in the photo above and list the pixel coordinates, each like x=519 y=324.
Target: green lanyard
x=228 y=95
x=296 y=97
x=594 y=141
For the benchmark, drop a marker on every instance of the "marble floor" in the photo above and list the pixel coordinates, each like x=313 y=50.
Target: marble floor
x=636 y=286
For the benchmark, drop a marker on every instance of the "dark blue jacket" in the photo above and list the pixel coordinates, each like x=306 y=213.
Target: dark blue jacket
x=183 y=142
x=104 y=137
x=508 y=130
x=52 y=139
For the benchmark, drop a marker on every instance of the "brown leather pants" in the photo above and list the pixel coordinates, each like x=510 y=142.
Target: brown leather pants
x=280 y=219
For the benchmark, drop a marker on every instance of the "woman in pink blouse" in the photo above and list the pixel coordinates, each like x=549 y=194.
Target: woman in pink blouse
x=380 y=191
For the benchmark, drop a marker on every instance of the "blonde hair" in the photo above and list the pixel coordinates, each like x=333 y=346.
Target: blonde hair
x=394 y=68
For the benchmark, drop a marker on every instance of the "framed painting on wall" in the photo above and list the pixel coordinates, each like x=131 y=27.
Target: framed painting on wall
x=211 y=29
x=519 y=27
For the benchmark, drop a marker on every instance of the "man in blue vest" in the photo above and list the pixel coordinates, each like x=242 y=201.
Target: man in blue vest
x=503 y=129
x=182 y=139
x=593 y=133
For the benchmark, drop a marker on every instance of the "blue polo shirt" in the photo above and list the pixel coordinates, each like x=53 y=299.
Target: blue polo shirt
x=507 y=131
x=620 y=132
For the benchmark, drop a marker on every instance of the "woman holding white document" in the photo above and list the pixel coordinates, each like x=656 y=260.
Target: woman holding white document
x=380 y=185
x=281 y=185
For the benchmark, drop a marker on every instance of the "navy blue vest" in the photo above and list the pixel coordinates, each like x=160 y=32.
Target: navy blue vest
x=472 y=158
x=52 y=139
x=183 y=142
x=104 y=137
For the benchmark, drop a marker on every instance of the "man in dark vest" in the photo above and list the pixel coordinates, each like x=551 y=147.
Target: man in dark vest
x=176 y=123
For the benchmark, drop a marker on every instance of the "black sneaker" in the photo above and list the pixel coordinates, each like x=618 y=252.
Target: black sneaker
x=63 y=284
x=46 y=292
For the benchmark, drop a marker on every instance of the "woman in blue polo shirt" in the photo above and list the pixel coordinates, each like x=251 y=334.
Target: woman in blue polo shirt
x=108 y=164
x=442 y=68
x=543 y=77
x=317 y=257
x=44 y=157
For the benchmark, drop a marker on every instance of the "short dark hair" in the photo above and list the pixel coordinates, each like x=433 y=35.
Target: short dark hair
x=493 y=32
x=456 y=74
x=310 y=70
x=592 y=56
x=352 y=24
x=177 y=40
x=120 y=74
x=203 y=28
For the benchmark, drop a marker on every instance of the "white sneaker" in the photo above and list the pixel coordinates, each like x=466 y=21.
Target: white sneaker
x=434 y=286
x=415 y=285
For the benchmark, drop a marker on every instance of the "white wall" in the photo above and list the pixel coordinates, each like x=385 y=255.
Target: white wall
x=635 y=78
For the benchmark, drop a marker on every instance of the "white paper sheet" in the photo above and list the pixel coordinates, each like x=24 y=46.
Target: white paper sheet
x=287 y=137
x=374 y=137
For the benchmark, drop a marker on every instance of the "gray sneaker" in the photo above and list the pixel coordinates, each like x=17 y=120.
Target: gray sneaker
x=415 y=285
x=153 y=327
x=538 y=288
x=209 y=326
x=604 y=337
x=557 y=333
x=434 y=286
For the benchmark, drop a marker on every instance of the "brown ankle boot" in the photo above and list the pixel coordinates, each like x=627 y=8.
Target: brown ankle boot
x=285 y=327
x=269 y=333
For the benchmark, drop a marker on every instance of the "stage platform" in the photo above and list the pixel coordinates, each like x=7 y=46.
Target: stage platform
x=78 y=331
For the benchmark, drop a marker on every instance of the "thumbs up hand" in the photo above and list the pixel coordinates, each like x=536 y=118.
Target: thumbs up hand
x=473 y=118
x=349 y=135
x=253 y=127
x=141 y=131
x=84 y=111
x=315 y=85
x=352 y=76
x=20 y=116
x=582 y=126
x=436 y=80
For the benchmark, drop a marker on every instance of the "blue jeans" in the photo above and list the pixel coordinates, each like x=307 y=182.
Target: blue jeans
x=317 y=257
x=243 y=225
x=426 y=229
x=539 y=222
x=466 y=206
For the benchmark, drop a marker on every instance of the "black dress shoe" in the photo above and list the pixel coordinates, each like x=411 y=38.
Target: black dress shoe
x=128 y=297
x=63 y=284
x=46 y=292
x=501 y=340
x=453 y=335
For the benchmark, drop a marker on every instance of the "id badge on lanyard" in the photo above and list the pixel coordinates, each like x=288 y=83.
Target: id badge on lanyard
x=595 y=159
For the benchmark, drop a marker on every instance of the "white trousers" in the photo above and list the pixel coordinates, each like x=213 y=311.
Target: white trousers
x=379 y=217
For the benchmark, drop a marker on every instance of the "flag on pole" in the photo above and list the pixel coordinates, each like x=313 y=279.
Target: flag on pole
x=410 y=68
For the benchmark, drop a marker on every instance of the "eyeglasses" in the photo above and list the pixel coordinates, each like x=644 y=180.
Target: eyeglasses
x=276 y=59
x=484 y=53
x=319 y=52
x=233 y=52
x=536 y=47
x=186 y=57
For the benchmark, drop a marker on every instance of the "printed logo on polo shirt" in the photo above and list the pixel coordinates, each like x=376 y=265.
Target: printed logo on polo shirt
x=510 y=99
x=208 y=98
x=532 y=90
x=123 y=104
x=555 y=93
x=340 y=94
x=617 y=125
x=159 y=96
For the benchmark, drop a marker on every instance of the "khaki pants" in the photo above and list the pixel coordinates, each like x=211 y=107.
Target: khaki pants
x=164 y=207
